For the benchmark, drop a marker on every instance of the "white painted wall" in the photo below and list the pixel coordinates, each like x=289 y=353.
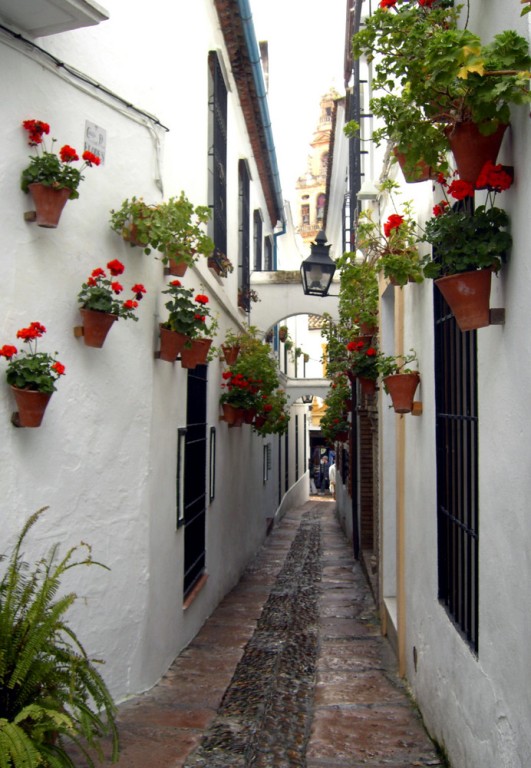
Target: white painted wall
x=104 y=459
x=478 y=708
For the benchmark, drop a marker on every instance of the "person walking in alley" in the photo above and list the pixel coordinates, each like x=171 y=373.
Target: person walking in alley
x=332 y=479
x=323 y=475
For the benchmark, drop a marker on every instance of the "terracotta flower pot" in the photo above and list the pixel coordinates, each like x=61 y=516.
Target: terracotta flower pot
x=177 y=268
x=232 y=415
x=230 y=353
x=468 y=296
x=196 y=353
x=368 y=386
x=249 y=415
x=31 y=407
x=421 y=171
x=471 y=149
x=49 y=204
x=171 y=344
x=402 y=387
x=96 y=326
x=259 y=421
x=341 y=437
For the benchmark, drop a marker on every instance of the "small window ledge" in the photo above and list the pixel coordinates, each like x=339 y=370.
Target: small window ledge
x=200 y=583
x=39 y=18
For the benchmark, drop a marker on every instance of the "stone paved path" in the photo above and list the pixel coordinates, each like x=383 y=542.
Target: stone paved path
x=290 y=671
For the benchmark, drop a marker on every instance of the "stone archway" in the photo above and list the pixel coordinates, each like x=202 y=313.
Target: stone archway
x=281 y=296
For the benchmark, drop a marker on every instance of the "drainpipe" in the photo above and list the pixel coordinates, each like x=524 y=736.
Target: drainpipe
x=258 y=77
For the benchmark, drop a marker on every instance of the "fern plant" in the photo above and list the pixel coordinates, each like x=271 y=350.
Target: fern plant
x=51 y=693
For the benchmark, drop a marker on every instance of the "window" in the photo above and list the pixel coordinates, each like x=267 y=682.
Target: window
x=244 y=284
x=217 y=103
x=305 y=214
x=321 y=200
x=257 y=236
x=268 y=254
x=324 y=163
x=457 y=470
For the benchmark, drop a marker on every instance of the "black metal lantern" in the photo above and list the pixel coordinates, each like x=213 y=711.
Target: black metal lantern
x=318 y=269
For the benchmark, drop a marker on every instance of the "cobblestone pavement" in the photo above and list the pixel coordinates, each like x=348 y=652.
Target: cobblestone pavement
x=290 y=671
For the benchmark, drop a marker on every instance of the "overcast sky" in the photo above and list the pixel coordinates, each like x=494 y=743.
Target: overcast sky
x=306 y=45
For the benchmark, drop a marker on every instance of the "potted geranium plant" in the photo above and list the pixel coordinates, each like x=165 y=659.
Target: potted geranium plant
x=393 y=248
x=362 y=364
x=432 y=74
x=100 y=307
x=187 y=326
x=52 y=179
x=468 y=245
x=31 y=375
x=399 y=379
x=273 y=415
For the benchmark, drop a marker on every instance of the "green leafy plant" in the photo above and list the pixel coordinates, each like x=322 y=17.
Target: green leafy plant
x=100 y=290
x=273 y=414
x=363 y=359
x=188 y=314
x=49 y=169
x=393 y=247
x=133 y=221
x=175 y=227
x=389 y=365
x=358 y=292
x=337 y=401
x=465 y=238
x=30 y=369
x=51 y=693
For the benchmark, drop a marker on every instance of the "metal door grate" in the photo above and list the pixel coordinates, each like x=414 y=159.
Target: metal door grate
x=457 y=469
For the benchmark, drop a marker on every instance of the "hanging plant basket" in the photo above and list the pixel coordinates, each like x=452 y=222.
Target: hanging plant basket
x=177 y=268
x=49 y=204
x=368 y=386
x=172 y=344
x=471 y=149
x=468 y=296
x=402 y=387
x=231 y=415
x=96 y=326
x=196 y=353
x=230 y=353
x=421 y=171
x=31 y=406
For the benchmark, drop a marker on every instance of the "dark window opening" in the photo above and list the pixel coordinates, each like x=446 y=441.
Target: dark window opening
x=258 y=240
x=244 y=282
x=457 y=470
x=217 y=103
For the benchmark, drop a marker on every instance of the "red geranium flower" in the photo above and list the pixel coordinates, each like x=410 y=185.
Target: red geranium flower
x=7 y=351
x=201 y=298
x=371 y=352
x=138 y=289
x=98 y=272
x=441 y=179
x=130 y=304
x=36 y=128
x=461 y=189
x=393 y=222
x=268 y=407
x=58 y=368
x=117 y=287
x=493 y=177
x=439 y=209
x=387 y=3
x=68 y=154
x=199 y=317
x=176 y=283
x=90 y=158
x=352 y=345
x=116 y=267
x=426 y=3
x=226 y=375
x=39 y=328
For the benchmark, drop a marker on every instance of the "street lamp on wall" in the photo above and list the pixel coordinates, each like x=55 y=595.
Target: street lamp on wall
x=318 y=269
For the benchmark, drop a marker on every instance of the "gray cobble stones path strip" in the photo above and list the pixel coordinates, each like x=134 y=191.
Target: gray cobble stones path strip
x=265 y=715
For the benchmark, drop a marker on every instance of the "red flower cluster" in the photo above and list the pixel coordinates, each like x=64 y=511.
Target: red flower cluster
x=130 y=304
x=32 y=332
x=461 y=189
x=90 y=158
x=355 y=346
x=201 y=298
x=8 y=351
x=493 y=177
x=58 y=368
x=36 y=128
x=176 y=283
x=115 y=267
x=387 y=3
x=68 y=154
x=426 y=3
x=393 y=222
x=138 y=289
x=439 y=209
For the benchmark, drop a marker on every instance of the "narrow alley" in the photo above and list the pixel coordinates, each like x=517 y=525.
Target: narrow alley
x=290 y=670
